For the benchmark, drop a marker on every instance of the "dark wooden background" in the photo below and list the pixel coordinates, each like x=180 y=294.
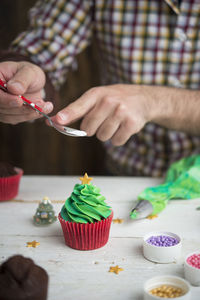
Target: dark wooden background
x=35 y=147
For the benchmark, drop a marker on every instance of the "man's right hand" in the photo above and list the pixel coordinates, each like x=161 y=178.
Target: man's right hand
x=22 y=78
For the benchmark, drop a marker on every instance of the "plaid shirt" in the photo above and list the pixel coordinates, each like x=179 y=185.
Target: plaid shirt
x=150 y=42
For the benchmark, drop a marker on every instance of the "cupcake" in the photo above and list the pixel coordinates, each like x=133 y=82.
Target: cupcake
x=85 y=217
x=9 y=181
x=22 y=279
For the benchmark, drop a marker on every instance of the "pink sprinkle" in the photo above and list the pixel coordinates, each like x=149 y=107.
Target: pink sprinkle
x=194 y=260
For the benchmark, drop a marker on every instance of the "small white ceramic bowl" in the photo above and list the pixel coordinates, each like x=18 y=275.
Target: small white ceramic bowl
x=191 y=273
x=166 y=280
x=161 y=254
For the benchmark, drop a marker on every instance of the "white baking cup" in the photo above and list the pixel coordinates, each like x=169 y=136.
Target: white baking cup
x=191 y=273
x=161 y=254
x=166 y=280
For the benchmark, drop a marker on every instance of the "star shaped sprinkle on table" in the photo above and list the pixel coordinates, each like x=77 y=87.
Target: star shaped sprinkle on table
x=85 y=179
x=151 y=217
x=119 y=221
x=116 y=269
x=33 y=244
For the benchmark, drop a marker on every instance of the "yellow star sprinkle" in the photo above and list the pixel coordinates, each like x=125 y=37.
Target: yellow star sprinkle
x=33 y=244
x=85 y=179
x=119 y=221
x=151 y=217
x=115 y=269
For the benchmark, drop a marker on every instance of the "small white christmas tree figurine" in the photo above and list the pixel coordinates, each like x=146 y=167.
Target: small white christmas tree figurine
x=45 y=214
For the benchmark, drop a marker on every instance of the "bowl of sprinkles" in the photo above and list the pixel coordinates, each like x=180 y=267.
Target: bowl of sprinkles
x=162 y=247
x=192 y=268
x=167 y=287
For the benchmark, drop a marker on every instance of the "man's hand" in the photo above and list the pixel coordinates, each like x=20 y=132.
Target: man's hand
x=111 y=112
x=22 y=78
x=118 y=111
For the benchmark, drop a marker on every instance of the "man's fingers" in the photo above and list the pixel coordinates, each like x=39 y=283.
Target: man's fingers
x=126 y=129
x=16 y=119
x=79 y=108
x=111 y=124
x=47 y=107
x=9 y=101
x=23 y=117
x=107 y=129
x=97 y=116
x=24 y=79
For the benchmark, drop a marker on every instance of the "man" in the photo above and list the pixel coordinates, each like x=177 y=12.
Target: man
x=147 y=110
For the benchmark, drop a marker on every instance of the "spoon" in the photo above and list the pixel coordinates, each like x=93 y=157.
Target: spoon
x=62 y=129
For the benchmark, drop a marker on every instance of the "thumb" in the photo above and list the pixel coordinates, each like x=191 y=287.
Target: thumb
x=23 y=79
x=16 y=87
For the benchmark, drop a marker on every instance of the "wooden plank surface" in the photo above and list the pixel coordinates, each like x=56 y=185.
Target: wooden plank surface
x=84 y=274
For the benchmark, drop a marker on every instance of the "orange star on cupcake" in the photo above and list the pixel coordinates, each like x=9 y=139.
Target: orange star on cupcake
x=85 y=179
x=116 y=269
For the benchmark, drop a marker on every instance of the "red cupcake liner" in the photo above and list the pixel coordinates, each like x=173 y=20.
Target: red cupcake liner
x=9 y=186
x=88 y=236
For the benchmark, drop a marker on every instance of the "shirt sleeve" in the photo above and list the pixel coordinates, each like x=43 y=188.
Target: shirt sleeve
x=58 y=31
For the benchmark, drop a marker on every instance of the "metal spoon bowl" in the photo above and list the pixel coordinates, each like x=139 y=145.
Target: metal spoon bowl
x=62 y=129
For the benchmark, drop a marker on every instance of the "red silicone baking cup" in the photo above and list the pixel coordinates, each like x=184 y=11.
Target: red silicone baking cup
x=9 y=186
x=88 y=236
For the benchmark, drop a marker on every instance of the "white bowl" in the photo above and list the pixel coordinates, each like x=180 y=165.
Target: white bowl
x=161 y=254
x=191 y=273
x=166 y=280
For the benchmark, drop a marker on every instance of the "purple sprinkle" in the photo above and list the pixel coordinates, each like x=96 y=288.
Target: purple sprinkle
x=162 y=241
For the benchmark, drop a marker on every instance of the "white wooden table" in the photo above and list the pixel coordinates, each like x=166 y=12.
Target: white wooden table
x=81 y=275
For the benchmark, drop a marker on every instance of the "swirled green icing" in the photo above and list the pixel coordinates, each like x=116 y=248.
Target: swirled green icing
x=85 y=205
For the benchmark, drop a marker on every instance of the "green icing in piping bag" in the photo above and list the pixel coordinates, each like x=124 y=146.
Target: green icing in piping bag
x=182 y=182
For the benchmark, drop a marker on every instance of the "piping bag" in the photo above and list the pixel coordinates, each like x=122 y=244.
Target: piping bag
x=182 y=182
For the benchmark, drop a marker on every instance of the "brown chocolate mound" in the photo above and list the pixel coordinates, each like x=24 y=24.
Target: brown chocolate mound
x=22 y=279
x=6 y=169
